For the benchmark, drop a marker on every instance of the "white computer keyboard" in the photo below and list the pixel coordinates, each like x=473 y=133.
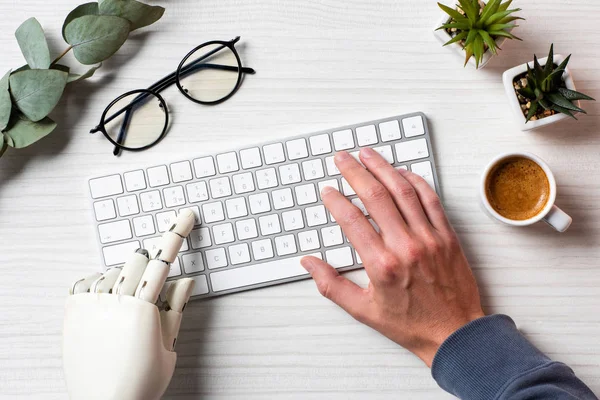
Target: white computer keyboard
x=258 y=208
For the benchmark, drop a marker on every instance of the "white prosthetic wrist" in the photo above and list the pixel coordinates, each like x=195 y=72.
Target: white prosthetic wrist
x=117 y=343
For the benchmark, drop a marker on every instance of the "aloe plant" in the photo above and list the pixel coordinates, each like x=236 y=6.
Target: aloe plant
x=94 y=32
x=478 y=28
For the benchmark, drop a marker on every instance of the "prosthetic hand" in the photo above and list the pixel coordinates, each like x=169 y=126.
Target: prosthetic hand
x=119 y=336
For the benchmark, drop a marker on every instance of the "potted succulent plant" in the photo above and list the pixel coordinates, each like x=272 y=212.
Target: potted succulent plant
x=476 y=30
x=542 y=92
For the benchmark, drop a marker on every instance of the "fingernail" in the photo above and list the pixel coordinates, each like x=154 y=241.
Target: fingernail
x=326 y=190
x=367 y=152
x=307 y=264
x=402 y=171
x=341 y=156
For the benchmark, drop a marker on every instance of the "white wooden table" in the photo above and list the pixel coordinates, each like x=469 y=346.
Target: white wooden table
x=320 y=64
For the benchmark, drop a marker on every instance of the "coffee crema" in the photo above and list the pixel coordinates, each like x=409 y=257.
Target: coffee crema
x=517 y=188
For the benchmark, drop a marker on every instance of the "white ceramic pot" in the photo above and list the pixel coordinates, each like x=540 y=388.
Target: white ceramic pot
x=508 y=78
x=444 y=37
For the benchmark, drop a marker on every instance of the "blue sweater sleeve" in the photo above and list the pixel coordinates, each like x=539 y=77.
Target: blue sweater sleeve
x=490 y=359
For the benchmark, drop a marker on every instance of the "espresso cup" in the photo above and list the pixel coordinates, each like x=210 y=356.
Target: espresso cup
x=549 y=213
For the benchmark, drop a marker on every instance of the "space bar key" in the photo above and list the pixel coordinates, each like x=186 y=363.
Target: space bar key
x=258 y=273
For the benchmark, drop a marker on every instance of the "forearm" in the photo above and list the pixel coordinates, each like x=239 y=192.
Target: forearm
x=490 y=359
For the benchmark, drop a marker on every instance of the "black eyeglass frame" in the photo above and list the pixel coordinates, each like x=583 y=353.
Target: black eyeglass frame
x=162 y=84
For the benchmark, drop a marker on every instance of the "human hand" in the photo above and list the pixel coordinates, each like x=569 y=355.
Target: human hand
x=421 y=287
x=117 y=344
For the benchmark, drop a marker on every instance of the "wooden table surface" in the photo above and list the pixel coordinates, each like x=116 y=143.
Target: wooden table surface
x=320 y=64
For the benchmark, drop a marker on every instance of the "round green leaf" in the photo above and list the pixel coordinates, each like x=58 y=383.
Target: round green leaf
x=96 y=37
x=36 y=92
x=5 y=101
x=24 y=132
x=32 y=42
x=80 y=11
x=139 y=14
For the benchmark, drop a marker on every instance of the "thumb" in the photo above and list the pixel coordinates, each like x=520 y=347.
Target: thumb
x=346 y=294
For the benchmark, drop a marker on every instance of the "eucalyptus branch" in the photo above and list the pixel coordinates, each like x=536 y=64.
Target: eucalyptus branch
x=64 y=53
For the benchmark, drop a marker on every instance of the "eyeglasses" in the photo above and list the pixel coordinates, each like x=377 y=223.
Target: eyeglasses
x=209 y=74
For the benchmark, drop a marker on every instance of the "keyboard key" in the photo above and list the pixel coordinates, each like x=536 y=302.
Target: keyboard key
x=269 y=225
x=424 y=170
x=331 y=183
x=266 y=178
x=204 y=167
x=313 y=169
x=258 y=273
x=213 y=212
x=174 y=268
x=201 y=286
x=197 y=192
x=366 y=135
x=412 y=150
x=386 y=153
x=338 y=258
x=332 y=169
x=106 y=186
x=292 y=220
x=246 y=229
x=343 y=140
x=220 y=187
x=332 y=236
x=174 y=196
x=360 y=205
x=285 y=245
x=236 y=208
x=239 y=254
x=306 y=194
x=158 y=176
x=320 y=144
x=227 y=162
x=282 y=199
x=413 y=126
x=135 y=180
x=250 y=158
x=289 y=174
x=243 y=183
x=273 y=153
x=358 y=259
x=346 y=188
x=196 y=211
x=262 y=249
x=192 y=262
x=165 y=220
x=200 y=238
x=144 y=226
x=128 y=205
x=389 y=131
x=118 y=254
x=151 y=201
x=259 y=203
x=223 y=233
x=104 y=210
x=296 y=149
x=114 y=231
x=216 y=258
x=181 y=172
x=308 y=240
x=316 y=215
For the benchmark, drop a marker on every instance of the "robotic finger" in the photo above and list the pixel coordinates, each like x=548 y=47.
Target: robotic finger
x=156 y=272
x=83 y=285
x=132 y=272
x=105 y=283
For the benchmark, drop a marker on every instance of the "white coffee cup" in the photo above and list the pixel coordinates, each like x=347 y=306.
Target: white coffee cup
x=551 y=214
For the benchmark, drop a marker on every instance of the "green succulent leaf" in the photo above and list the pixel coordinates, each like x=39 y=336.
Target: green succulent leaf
x=36 y=92
x=559 y=100
x=539 y=72
x=23 y=132
x=510 y=19
x=490 y=9
x=456 y=38
x=501 y=27
x=563 y=65
x=469 y=9
x=451 y=12
x=554 y=78
x=478 y=50
x=468 y=53
x=32 y=42
x=527 y=92
x=471 y=37
x=550 y=62
x=139 y=14
x=458 y=25
x=499 y=16
x=569 y=94
x=5 y=101
x=532 y=110
x=545 y=103
x=504 y=34
x=504 y=6
x=562 y=110
x=80 y=11
x=96 y=37
x=489 y=41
